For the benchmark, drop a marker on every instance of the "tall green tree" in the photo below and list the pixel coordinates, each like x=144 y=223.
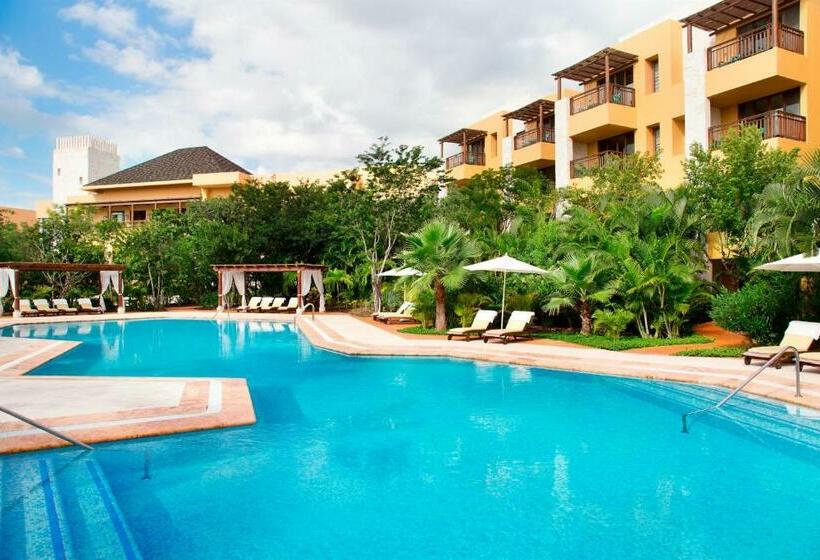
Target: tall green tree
x=395 y=192
x=440 y=250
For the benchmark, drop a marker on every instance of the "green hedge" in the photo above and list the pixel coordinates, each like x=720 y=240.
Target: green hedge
x=625 y=343
x=719 y=352
x=762 y=308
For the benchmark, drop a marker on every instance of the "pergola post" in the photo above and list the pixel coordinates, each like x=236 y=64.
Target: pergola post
x=16 y=303
x=120 y=297
x=540 y=122
x=219 y=304
x=606 y=78
x=299 y=288
x=441 y=148
x=689 y=38
x=464 y=147
x=775 y=23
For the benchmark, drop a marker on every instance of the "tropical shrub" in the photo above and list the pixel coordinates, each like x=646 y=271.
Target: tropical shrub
x=580 y=283
x=612 y=322
x=424 y=306
x=761 y=309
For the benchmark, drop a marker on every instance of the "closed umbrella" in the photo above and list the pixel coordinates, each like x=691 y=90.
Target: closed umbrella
x=796 y=263
x=505 y=264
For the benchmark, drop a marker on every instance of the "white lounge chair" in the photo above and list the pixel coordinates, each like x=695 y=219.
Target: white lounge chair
x=516 y=328
x=87 y=307
x=26 y=310
x=252 y=305
x=402 y=308
x=799 y=334
x=293 y=303
x=404 y=314
x=481 y=322
x=270 y=304
x=62 y=306
x=44 y=308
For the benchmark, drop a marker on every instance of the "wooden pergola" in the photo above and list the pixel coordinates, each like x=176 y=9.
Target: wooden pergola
x=19 y=267
x=731 y=13
x=463 y=137
x=601 y=64
x=298 y=268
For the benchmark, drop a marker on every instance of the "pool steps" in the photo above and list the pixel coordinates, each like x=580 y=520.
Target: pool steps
x=761 y=417
x=60 y=509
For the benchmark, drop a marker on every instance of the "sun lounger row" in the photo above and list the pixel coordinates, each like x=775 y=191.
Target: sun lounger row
x=517 y=327
x=270 y=305
x=60 y=306
x=800 y=335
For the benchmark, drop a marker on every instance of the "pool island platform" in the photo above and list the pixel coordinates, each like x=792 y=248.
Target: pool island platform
x=100 y=409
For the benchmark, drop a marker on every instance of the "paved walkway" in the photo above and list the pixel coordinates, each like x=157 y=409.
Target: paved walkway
x=361 y=336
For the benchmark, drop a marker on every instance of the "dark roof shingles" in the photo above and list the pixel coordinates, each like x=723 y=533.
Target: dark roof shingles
x=179 y=165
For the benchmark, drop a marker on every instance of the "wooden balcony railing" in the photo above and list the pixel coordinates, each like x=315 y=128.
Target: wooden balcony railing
x=622 y=95
x=472 y=158
x=530 y=137
x=773 y=124
x=579 y=167
x=752 y=43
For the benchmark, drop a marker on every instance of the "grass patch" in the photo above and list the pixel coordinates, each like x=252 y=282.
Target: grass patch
x=420 y=330
x=625 y=343
x=720 y=352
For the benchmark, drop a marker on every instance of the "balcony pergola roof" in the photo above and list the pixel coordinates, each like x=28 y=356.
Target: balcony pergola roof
x=462 y=135
x=593 y=67
x=727 y=13
x=531 y=111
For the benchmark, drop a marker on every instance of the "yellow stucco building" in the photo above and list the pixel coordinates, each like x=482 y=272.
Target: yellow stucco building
x=660 y=90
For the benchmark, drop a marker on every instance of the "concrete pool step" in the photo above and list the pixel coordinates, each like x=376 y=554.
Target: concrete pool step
x=61 y=510
x=801 y=426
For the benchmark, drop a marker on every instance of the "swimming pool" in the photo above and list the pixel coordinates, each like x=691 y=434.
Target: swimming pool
x=411 y=458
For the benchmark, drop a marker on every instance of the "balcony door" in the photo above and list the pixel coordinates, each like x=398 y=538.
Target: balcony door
x=787 y=101
x=623 y=143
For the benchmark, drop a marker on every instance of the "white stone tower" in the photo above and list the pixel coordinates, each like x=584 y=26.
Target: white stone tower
x=79 y=160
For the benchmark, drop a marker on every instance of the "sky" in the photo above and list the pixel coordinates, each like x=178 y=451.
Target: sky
x=279 y=85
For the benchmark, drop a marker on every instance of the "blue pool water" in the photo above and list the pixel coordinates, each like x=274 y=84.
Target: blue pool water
x=412 y=458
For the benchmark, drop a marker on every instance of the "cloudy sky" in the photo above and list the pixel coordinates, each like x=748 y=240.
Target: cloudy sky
x=278 y=85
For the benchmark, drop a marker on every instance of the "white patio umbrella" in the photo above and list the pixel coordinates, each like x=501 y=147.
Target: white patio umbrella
x=505 y=264
x=401 y=273
x=795 y=263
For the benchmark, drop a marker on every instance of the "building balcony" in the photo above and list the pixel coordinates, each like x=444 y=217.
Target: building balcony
x=580 y=167
x=772 y=124
x=468 y=158
x=529 y=151
x=756 y=64
x=595 y=114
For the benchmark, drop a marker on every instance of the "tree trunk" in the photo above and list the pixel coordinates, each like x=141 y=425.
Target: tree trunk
x=586 y=318
x=441 y=310
x=376 y=286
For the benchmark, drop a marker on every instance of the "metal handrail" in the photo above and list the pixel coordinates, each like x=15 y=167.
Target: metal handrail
x=312 y=310
x=773 y=360
x=46 y=429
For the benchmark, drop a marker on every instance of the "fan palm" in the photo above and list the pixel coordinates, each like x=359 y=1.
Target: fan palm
x=580 y=282
x=440 y=250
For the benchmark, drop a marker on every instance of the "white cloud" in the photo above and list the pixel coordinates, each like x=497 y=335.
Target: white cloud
x=285 y=85
x=13 y=152
x=18 y=77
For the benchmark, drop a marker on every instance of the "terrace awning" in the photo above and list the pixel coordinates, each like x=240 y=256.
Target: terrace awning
x=795 y=263
x=593 y=67
x=110 y=277
x=531 y=111
x=727 y=13
x=463 y=136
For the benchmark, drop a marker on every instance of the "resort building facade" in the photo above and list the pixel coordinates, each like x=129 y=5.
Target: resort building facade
x=660 y=90
x=86 y=173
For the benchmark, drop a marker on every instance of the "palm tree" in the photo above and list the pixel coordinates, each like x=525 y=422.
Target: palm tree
x=787 y=217
x=580 y=282
x=440 y=250
x=336 y=279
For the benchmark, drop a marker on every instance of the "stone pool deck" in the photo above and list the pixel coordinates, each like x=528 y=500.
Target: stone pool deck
x=98 y=409
x=364 y=337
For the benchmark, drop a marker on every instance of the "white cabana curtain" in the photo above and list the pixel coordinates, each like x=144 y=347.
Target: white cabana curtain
x=229 y=280
x=109 y=279
x=314 y=276
x=7 y=283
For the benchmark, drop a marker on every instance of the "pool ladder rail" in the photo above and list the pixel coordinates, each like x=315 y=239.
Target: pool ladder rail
x=312 y=310
x=771 y=361
x=45 y=428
